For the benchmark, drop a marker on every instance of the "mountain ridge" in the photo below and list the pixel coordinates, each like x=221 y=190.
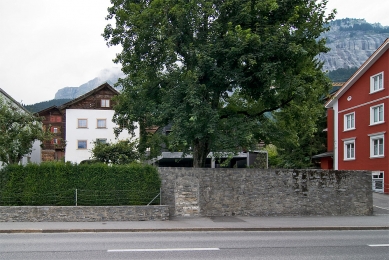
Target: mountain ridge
x=351 y=42
x=109 y=76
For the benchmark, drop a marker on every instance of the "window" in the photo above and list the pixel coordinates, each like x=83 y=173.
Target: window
x=377 y=145
x=101 y=123
x=55 y=119
x=55 y=129
x=55 y=141
x=377 y=114
x=376 y=82
x=349 y=121
x=349 y=149
x=378 y=181
x=105 y=103
x=101 y=140
x=81 y=144
x=82 y=123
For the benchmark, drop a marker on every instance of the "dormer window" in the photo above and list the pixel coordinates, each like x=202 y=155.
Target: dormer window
x=377 y=82
x=105 y=103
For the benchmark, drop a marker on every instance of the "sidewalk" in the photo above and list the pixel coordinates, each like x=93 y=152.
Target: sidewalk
x=379 y=221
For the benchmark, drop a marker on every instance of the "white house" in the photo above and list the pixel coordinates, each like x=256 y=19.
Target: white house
x=89 y=120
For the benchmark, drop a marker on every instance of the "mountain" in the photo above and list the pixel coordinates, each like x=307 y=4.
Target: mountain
x=110 y=76
x=351 y=41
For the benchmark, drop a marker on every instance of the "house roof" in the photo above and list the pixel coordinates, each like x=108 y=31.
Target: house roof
x=48 y=109
x=13 y=100
x=322 y=155
x=364 y=67
x=93 y=91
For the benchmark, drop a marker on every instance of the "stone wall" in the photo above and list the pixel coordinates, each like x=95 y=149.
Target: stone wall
x=82 y=213
x=258 y=192
x=48 y=155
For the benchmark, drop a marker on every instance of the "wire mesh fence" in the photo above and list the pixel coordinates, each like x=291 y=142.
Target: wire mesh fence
x=80 y=197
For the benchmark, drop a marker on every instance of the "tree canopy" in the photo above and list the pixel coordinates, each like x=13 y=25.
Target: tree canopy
x=212 y=69
x=122 y=152
x=297 y=133
x=18 y=130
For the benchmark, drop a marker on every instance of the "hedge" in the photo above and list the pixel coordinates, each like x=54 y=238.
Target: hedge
x=67 y=184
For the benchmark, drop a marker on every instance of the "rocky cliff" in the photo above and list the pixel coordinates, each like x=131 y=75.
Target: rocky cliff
x=351 y=42
x=110 y=76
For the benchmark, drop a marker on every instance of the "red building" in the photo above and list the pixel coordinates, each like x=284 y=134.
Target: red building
x=358 y=120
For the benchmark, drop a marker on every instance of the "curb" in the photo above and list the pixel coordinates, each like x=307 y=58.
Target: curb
x=18 y=231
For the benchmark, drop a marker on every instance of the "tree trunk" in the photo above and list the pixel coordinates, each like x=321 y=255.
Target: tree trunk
x=200 y=153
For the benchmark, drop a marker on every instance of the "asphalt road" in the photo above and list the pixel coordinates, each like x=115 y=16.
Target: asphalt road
x=198 y=245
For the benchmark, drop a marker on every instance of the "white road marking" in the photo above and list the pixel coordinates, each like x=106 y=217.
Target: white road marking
x=379 y=245
x=162 y=249
x=380 y=207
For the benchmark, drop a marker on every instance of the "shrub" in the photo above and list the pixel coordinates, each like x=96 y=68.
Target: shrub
x=56 y=183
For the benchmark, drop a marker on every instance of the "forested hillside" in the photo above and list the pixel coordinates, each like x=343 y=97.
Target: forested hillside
x=342 y=74
x=45 y=104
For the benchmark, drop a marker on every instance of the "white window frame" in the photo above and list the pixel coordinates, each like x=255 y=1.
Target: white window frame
x=82 y=119
x=102 y=120
x=379 y=77
x=55 y=130
x=372 y=115
x=373 y=138
x=378 y=180
x=352 y=124
x=346 y=143
x=78 y=144
x=105 y=103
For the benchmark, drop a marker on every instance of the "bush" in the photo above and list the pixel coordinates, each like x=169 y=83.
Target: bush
x=122 y=152
x=55 y=183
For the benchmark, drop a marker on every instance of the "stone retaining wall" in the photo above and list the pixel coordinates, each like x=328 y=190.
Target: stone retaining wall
x=82 y=213
x=259 y=192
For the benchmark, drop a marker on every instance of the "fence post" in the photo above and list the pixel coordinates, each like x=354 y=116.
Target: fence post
x=76 y=197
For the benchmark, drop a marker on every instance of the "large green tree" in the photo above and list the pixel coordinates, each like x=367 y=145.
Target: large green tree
x=297 y=132
x=18 y=130
x=212 y=69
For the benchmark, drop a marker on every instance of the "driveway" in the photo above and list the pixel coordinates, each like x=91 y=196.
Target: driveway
x=380 y=204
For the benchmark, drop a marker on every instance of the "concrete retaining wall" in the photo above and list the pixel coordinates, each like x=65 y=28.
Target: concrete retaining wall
x=258 y=192
x=82 y=213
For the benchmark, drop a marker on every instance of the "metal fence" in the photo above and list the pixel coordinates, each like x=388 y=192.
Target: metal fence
x=81 y=197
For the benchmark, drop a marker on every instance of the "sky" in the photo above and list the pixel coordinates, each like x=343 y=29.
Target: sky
x=50 y=44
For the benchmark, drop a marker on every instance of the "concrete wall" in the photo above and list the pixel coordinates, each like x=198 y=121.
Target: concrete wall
x=258 y=192
x=82 y=213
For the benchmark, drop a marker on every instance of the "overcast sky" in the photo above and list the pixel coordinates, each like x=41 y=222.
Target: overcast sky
x=50 y=44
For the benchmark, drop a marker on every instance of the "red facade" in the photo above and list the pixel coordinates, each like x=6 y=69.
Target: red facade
x=358 y=120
